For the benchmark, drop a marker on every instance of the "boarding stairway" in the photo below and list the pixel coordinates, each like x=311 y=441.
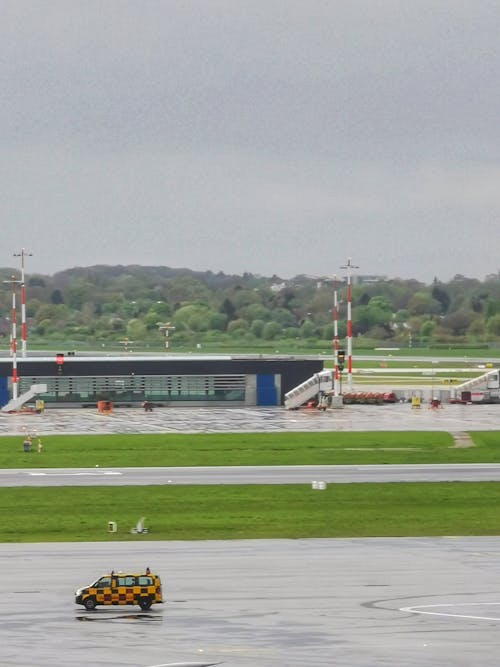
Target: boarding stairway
x=319 y=382
x=16 y=403
x=489 y=380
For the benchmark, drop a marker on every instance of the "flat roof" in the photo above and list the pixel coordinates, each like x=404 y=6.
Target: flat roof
x=161 y=357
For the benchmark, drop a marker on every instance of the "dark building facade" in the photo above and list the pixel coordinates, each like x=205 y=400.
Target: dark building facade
x=164 y=380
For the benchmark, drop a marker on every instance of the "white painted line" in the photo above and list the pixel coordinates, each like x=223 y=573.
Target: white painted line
x=187 y=664
x=421 y=610
x=74 y=474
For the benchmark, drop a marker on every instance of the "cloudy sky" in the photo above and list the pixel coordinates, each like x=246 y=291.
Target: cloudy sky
x=268 y=136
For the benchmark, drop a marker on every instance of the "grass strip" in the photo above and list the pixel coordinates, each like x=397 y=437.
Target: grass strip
x=220 y=449
x=249 y=512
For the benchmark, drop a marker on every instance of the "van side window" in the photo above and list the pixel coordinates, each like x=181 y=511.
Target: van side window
x=103 y=582
x=144 y=581
x=126 y=581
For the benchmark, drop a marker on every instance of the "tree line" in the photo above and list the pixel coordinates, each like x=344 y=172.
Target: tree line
x=117 y=303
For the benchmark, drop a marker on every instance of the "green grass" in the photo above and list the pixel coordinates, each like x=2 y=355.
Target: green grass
x=250 y=512
x=254 y=511
x=281 y=346
x=158 y=450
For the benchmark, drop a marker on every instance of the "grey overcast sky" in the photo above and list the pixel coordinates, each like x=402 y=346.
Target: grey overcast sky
x=268 y=136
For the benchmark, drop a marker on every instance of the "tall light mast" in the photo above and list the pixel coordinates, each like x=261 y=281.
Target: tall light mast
x=349 y=267
x=336 y=389
x=13 y=343
x=22 y=254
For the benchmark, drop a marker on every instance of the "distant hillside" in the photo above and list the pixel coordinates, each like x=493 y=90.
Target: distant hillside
x=105 y=303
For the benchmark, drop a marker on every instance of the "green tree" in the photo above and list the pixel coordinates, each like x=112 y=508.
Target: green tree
x=291 y=332
x=458 y=322
x=194 y=316
x=308 y=329
x=401 y=316
x=217 y=321
x=237 y=327
x=422 y=303
x=476 y=328
x=136 y=330
x=271 y=330
x=255 y=311
x=185 y=289
x=493 y=326
x=78 y=293
x=283 y=317
x=228 y=308
x=327 y=332
x=442 y=297
x=56 y=297
x=492 y=308
x=376 y=314
x=257 y=328
x=427 y=328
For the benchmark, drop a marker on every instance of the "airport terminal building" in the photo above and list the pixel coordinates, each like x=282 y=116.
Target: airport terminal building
x=129 y=380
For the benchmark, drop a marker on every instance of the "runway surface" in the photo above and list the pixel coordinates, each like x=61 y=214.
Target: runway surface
x=263 y=603
x=341 y=474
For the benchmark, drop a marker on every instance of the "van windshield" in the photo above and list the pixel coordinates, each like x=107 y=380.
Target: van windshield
x=103 y=582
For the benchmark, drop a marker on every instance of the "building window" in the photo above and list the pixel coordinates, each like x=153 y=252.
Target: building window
x=137 y=388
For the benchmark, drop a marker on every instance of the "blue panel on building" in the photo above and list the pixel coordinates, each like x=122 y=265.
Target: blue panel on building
x=266 y=390
x=4 y=391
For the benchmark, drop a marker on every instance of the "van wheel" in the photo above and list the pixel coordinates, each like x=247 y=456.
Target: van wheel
x=90 y=603
x=145 y=603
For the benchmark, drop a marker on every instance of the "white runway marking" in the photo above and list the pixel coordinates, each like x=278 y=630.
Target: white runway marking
x=187 y=664
x=423 y=610
x=73 y=474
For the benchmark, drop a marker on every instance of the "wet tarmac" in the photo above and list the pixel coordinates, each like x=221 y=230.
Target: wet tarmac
x=259 y=603
x=390 y=417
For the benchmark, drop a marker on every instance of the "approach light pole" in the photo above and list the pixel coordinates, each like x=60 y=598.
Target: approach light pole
x=349 y=267
x=22 y=254
x=126 y=342
x=166 y=327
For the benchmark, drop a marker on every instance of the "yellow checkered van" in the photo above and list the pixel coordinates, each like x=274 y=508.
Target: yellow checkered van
x=120 y=588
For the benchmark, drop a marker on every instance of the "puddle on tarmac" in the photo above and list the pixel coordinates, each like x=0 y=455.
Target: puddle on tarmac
x=118 y=617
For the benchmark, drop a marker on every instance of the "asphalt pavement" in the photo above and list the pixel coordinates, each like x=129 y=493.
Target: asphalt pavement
x=305 y=474
x=389 y=417
x=259 y=603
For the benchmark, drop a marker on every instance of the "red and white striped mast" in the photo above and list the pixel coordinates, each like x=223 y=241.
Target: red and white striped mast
x=13 y=342
x=349 y=267
x=22 y=255
x=336 y=389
